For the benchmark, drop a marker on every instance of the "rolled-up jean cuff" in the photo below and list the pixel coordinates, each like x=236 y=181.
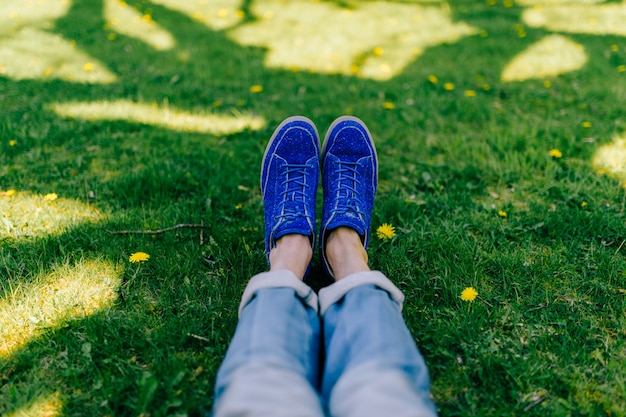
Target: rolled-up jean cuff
x=335 y=292
x=278 y=279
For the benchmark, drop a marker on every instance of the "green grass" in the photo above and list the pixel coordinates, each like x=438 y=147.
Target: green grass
x=546 y=335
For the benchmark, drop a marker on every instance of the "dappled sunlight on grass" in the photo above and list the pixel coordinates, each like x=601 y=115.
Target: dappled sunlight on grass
x=40 y=13
x=611 y=159
x=23 y=214
x=551 y=56
x=372 y=40
x=66 y=293
x=35 y=53
x=128 y=21
x=28 y=50
x=215 y=14
x=45 y=406
x=604 y=19
x=169 y=118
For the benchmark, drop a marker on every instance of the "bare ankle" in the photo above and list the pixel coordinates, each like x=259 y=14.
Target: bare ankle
x=292 y=252
x=345 y=252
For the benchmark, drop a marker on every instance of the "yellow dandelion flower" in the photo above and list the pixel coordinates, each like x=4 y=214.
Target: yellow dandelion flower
x=614 y=48
x=621 y=68
x=385 y=231
x=389 y=105
x=378 y=51
x=584 y=204
x=448 y=86
x=50 y=197
x=547 y=84
x=256 y=88
x=555 y=153
x=88 y=67
x=502 y=213
x=239 y=206
x=469 y=294
x=486 y=87
x=470 y=93
x=111 y=36
x=586 y=125
x=8 y=193
x=12 y=142
x=433 y=79
x=138 y=257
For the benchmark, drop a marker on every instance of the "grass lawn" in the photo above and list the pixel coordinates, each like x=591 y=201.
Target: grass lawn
x=501 y=136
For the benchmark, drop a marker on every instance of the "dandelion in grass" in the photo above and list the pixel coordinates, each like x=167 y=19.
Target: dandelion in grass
x=88 y=67
x=584 y=204
x=433 y=79
x=256 y=88
x=502 y=213
x=138 y=257
x=621 y=68
x=8 y=193
x=470 y=93
x=469 y=294
x=547 y=84
x=448 y=86
x=586 y=125
x=389 y=105
x=12 y=142
x=385 y=231
x=50 y=197
x=555 y=153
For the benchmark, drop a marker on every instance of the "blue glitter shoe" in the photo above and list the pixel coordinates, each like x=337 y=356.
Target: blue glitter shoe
x=349 y=178
x=289 y=178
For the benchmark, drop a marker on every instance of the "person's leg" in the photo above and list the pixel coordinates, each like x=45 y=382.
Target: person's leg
x=272 y=365
x=372 y=367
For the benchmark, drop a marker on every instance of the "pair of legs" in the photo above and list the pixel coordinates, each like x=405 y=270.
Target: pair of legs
x=344 y=352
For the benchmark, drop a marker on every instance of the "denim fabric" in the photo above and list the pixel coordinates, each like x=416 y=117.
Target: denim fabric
x=372 y=366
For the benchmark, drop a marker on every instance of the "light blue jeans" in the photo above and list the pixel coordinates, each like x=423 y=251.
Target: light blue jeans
x=345 y=353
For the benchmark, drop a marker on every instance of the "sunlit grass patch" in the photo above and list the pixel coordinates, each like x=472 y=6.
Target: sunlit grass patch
x=32 y=53
x=66 y=293
x=24 y=214
x=167 y=117
x=44 y=406
x=611 y=159
x=215 y=14
x=551 y=56
x=40 y=13
x=603 y=19
x=128 y=21
x=372 y=40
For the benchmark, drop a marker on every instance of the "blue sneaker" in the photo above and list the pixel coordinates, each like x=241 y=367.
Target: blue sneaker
x=349 y=178
x=289 y=178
